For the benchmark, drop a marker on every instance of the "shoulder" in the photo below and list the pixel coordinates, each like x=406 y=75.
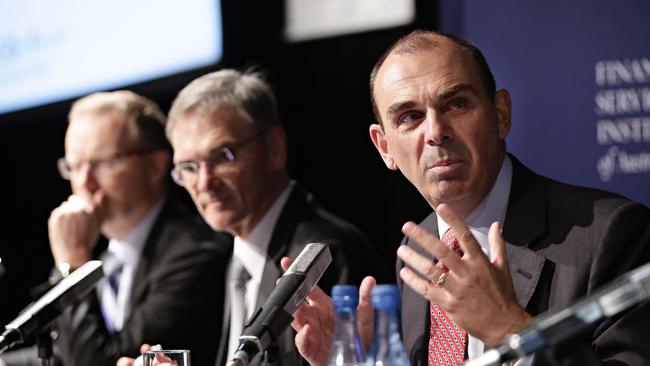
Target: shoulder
x=313 y=222
x=179 y=231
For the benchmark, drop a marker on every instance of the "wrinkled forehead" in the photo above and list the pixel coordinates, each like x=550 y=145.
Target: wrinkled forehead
x=195 y=134
x=428 y=71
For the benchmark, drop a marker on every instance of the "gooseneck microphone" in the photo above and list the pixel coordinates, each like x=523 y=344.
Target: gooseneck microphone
x=629 y=289
x=40 y=314
x=273 y=318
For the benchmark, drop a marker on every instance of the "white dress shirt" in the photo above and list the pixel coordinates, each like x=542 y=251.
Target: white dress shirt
x=126 y=251
x=252 y=253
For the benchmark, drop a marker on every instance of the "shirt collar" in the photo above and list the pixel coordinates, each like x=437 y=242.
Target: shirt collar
x=128 y=249
x=260 y=238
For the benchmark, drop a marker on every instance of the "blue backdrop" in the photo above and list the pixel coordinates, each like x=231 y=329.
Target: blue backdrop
x=579 y=75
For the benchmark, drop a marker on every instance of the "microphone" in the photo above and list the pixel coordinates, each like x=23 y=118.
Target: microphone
x=548 y=330
x=40 y=314
x=273 y=318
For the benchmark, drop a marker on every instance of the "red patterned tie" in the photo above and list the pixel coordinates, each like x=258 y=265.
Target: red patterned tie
x=447 y=341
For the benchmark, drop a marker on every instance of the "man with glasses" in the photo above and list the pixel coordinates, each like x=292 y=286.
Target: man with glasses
x=230 y=153
x=159 y=257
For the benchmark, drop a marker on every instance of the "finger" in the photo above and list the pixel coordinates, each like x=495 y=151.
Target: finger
x=125 y=361
x=318 y=296
x=285 y=262
x=304 y=343
x=466 y=240
x=146 y=347
x=365 y=290
x=365 y=312
x=423 y=265
x=432 y=245
x=300 y=317
x=423 y=287
x=498 y=255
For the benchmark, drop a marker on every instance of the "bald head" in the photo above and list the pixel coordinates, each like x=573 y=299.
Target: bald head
x=419 y=41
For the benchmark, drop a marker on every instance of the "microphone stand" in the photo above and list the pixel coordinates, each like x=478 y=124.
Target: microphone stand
x=44 y=347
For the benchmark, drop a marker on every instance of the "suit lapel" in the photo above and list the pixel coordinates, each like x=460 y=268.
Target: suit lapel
x=415 y=329
x=525 y=222
x=225 y=324
x=283 y=232
x=155 y=240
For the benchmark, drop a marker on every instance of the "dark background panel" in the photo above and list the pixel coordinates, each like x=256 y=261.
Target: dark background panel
x=322 y=91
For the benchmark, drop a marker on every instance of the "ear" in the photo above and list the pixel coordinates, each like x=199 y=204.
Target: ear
x=381 y=144
x=503 y=105
x=276 y=141
x=159 y=167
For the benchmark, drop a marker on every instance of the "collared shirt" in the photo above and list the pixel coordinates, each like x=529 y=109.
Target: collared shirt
x=493 y=208
x=252 y=253
x=126 y=251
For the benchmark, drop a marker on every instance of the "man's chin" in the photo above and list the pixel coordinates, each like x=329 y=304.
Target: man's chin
x=219 y=220
x=447 y=192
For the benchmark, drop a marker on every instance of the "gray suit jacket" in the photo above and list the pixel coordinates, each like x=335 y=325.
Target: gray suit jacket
x=302 y=222
x=563 y=242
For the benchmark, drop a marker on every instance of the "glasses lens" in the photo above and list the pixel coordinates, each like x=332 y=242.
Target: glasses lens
x=177 y=177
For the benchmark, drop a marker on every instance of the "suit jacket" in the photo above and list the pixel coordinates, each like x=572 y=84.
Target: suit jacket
x=563 y=242
x=169 y=302
x=303 y=221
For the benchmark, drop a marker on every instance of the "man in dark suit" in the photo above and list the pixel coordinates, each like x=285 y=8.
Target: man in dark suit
x=230 y=154
x=159 y=256
x=443 y=124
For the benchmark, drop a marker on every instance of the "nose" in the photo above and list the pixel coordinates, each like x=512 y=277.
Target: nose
x=84 y=179
x=205 y=177
x=438 y=129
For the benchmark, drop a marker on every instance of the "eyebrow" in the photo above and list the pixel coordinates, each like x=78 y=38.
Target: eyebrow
x=211 y=151
x=446 y=94
x=458 y=89
x=399 y=106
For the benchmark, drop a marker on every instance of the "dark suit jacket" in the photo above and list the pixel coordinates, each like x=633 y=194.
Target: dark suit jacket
x=170 y=303
x=563 y=242
x=303 y=221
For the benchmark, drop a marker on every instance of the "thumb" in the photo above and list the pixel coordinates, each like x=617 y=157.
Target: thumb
x=365 y=312
x=285 y=263
x=124 y=361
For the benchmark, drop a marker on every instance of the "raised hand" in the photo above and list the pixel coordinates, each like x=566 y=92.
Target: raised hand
x=314 y=321
x=74 y=227
x=477 y=292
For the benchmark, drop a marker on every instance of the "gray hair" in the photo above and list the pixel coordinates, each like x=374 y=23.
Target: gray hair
x=247 y=91
x=145 y=121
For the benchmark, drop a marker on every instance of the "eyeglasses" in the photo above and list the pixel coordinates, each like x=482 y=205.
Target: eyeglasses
x=186 y=173
x=100 y=167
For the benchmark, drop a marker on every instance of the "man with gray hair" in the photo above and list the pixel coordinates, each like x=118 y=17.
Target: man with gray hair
x=230 y=153
x=158 y=257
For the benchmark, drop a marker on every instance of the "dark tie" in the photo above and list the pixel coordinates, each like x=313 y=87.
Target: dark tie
x=113 y=280
x=447 y=341
x=240 y=279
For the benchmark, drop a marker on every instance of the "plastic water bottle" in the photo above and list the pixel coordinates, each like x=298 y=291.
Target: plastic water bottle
x=346 y=348
x=387 y=346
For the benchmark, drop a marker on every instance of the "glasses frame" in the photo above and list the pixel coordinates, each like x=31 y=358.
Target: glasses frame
x=66 y=171
x=219 y=157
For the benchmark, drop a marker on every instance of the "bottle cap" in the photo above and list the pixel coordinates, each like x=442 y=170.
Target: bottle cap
x=385 y=297
x=345 y=295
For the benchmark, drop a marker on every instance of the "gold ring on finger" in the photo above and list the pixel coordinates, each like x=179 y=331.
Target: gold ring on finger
x=441 y=279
